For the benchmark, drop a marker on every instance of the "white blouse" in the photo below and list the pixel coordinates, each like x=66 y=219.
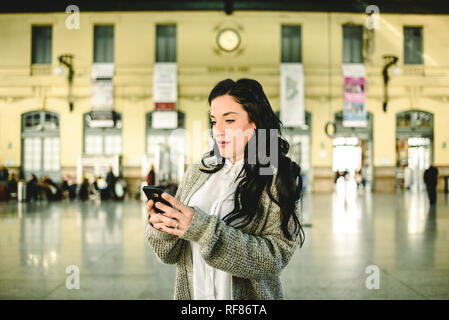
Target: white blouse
x=216 y=197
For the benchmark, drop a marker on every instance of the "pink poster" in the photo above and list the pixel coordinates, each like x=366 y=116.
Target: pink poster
x=354 y=109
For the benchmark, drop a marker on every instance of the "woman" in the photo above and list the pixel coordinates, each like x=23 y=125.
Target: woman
x=231 y=229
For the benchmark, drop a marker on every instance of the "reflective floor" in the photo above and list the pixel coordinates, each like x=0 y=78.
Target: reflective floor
x=397 y=233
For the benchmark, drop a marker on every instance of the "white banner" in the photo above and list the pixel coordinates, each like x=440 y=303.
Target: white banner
x=354 y=70
x=102 y=96
x=102 y=71
x=164 y=119
x=165 y=82
x=292 y=94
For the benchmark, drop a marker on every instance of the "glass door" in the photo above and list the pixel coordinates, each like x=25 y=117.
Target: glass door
x=41 y=145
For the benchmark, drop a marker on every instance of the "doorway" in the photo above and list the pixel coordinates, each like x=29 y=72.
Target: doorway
x=353 y=151
x=346 y=155
x=40 y=144
x=414 y=148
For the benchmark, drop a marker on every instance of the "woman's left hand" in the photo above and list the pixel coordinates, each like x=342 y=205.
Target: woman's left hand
x=174 y=221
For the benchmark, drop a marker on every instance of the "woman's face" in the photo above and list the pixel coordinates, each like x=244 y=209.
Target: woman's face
x=230 y=124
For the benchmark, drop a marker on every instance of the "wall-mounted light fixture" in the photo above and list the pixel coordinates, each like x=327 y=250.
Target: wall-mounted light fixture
x=67 y=61
x=228 y=6
x=390 y=60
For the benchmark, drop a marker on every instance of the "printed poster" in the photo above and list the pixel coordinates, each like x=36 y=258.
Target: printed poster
x=354 y=96
x=292 y=94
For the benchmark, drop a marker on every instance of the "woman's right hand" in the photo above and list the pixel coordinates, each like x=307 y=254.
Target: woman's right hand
x=154 y=218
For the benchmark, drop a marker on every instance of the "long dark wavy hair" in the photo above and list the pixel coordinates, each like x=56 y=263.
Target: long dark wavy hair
x=249 y=93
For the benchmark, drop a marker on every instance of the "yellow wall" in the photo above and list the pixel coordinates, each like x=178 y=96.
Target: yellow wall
x=201 y=65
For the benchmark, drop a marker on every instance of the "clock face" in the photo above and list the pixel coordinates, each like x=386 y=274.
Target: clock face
x=228 y=40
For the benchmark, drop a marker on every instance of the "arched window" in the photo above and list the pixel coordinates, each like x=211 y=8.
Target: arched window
x=102 y=133
x=414 y=122
x=361 y=132
x=40 y=144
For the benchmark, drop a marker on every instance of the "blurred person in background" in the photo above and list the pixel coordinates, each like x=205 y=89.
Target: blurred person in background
x=431 y=180
x=12 y=185
x=101 y=188
x=4 y=191
x=337 y=175
x=32 y=189
x=51 y=190
x=151 y=178
x=84 y=189
x=121 y=187
x=4 y=174
x=360 y=179
x=110 y=180
x=408 y=177
x=69 y=187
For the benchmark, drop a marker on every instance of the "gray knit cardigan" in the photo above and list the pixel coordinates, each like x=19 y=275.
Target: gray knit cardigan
x=255 y=254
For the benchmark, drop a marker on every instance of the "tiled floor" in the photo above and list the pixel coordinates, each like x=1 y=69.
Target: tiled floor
x=398 y=233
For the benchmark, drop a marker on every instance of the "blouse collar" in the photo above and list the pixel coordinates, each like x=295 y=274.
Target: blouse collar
x=233 y=169
x=237 y=164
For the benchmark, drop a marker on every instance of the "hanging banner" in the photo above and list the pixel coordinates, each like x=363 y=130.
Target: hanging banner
x=102 y=71
x=292 y=94
x=102 y=98
x=354 y=96
x=165 y=84
x=164 y=119
x=102 y=94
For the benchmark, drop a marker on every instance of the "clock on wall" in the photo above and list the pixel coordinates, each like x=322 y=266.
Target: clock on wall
x=228 y=39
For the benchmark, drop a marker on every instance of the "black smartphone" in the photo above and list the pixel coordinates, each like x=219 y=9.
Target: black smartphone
x=154 y=193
